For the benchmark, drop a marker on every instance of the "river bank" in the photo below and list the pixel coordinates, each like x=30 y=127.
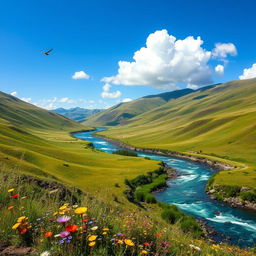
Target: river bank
x=214 y=165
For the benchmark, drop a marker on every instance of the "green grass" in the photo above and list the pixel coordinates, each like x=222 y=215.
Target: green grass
x=217 y=122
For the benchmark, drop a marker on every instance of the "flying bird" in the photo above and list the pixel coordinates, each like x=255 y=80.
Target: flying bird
x=47 y=52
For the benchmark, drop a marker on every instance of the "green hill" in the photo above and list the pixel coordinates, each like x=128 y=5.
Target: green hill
x=124 y=111
x=37 y=142
x=217 y=122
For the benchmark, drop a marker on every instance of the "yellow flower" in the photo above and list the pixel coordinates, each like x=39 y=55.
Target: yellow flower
x=104 y=233
x=120 y=241
x=20 y=219
x=129 y=242
x=92 y=238
x=92 y=244
x=63 y=207
x=15 y=226
x=81 y=210
x=10 y=190
x=94 y=228
x=144 y=252
x=105 y=229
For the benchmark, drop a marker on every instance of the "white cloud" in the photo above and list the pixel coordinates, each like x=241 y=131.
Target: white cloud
x=219 y=69
x=192 y=86
x=66 y=100
x=14 y=94
x=222 y=50
x=80 y=75
x=28 y=100
x=165 y=62
x=126 y=100
x=249 y=72
x=107 y=94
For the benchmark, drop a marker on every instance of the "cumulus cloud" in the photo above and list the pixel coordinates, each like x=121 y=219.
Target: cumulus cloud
x=249 y=72
x=219 y=69
x=222 y=50
x=66 y=100
x=107 y=94
x=126 y=100
x=80 y=75
x=165 y=62
x=14 y=94
x=28 y=100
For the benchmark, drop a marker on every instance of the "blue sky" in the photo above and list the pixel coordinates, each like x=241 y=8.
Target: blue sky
x=93 y=36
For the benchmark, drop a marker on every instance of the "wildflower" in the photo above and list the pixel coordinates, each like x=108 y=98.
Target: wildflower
x=63 y=207
x=91 y=244
x=105 y=229
x=63 y=219
x=64 y=234
x=81 y=210
x=45 y=253
x=23 y=231
x=194 y=247
x=94 y=228
x=84 y=220
x=71 y=228
x=24 y=197
x=144 y=252
x=48 y=234
x=92 y=238
x=21 y=219
x=15 y=196
x=146 y=244
x=104 y=233
x=15 y=226
x=129 y=242
x=10 y=207
x=10 y=190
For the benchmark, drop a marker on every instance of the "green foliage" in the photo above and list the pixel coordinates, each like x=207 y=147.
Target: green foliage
x=124 y=152
x=189 y=224
x=249 y=196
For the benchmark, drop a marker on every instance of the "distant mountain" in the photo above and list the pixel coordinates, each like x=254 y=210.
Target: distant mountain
x=122 y=112
x=77 y=114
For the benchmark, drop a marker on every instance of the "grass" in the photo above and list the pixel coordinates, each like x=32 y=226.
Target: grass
x=217 y=123
x=98 y=228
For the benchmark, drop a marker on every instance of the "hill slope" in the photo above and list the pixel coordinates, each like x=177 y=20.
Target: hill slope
x=124 y=111
x=77 y=114
x=216 y=121
x=38 y=142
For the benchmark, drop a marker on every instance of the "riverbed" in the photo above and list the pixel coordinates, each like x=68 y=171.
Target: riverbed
x=187 y=191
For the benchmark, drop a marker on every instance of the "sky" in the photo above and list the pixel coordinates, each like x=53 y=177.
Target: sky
x=106 y=52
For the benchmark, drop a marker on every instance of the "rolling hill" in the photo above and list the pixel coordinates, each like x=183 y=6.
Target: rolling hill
x=124 y=111
x=77 y=114
x=216 y=122
x=38 y=142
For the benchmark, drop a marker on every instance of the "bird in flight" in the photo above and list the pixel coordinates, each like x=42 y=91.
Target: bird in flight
x=47 y=52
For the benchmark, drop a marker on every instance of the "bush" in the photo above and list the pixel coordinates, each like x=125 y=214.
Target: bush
x=139 y=196
x=249 y=196
x=124 y=152
x=150 y=199
x=189 y=224
x=171 y=215
x=90 y=145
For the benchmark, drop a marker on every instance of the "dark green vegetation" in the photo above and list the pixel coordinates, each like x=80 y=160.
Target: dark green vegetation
x=77 y=114
x=215 y=122
x=124 y=152
x=125 y=111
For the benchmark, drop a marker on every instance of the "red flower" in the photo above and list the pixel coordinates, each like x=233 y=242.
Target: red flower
x=23 y=231
x=84 y=220
x=15 y=196
x=71 y=228
x=48 y=234
x=146 y=244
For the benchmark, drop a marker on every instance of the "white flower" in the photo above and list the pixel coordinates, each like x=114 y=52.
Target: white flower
x=45 y=253
x=195 y=247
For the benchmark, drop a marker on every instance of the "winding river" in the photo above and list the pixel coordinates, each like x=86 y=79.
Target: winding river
x=187 y=191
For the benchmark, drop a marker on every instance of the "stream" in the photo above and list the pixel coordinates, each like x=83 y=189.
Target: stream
x=187 y=191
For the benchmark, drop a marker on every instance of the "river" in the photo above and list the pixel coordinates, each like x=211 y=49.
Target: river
x=187 y=191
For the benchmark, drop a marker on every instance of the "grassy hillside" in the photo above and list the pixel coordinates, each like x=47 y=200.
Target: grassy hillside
x=217 y=122
x=124 y=111
x=38 y=142
x=77 y=114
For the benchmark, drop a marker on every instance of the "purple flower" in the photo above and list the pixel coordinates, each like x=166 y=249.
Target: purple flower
x=64 y=234
x=119 y=234
x=63 y=219
x=70 y=237
x=61 y=242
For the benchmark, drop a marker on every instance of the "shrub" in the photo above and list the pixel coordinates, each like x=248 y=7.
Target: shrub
x=125 y=152
x=171 y=215
x=150 y=199
x=249 y=196
x=189 y=224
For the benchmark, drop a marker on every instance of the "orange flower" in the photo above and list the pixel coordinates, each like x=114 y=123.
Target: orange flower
x=48 y=234
x=10 y=207
x=71 y=228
